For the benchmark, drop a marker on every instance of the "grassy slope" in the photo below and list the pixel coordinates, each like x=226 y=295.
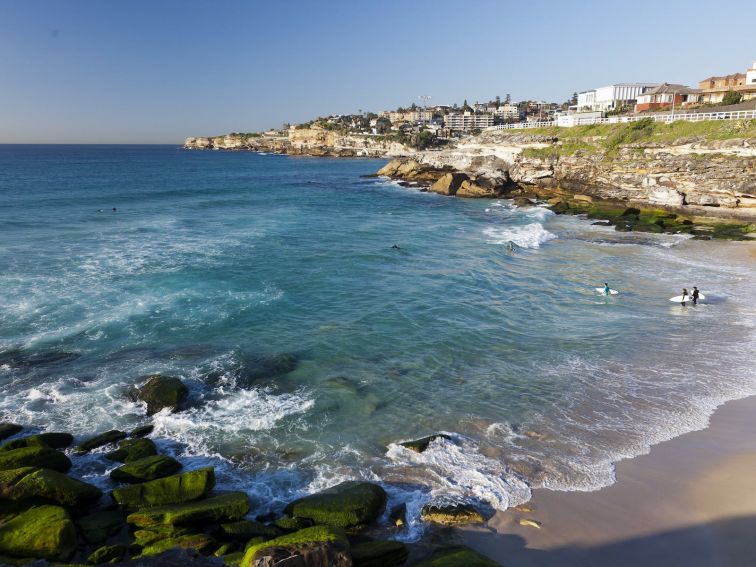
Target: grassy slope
x=608 y=138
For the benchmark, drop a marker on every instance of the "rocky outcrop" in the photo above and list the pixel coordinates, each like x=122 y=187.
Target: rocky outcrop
x=304 y=141
x=693 y=178
x=161 y=392
x=349 y=505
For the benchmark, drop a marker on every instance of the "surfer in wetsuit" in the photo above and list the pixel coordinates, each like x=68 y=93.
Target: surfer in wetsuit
x=695 y=295
x=684 y=297
x=606 y=288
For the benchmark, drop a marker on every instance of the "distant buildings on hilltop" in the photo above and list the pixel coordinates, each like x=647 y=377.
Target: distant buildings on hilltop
x=445 y=121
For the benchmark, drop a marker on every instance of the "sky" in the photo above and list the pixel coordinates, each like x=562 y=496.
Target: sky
x=147 y=71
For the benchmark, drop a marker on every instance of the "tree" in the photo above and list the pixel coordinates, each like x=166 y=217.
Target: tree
x=382 y=125
x=574 y=99
x=507 y=99
x=413 y=107
x=732 y=97
x=498 y=101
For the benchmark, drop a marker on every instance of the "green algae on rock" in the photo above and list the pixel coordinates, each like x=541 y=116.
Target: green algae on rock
x=132 y=450
x=457 y=557
x=244 y=530
x=107 y=554
x=380 y=553
x=351 y=504
x=28 y=483
x=162 y=392
x=99 y=440
x=305 y=537
x=41 y=457
x=202 y=543
x=43 y=532
x=292 y=524
x=224 y=507
x=449 y=513
x=145 y=537
x=147 y=468
x=142 y=430
x=173 y=489
x=9 y=429
x=49 y=440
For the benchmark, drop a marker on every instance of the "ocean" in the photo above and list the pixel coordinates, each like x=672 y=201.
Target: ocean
x=319 y=317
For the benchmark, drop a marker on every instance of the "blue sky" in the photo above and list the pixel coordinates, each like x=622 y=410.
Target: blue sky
x=139 y=71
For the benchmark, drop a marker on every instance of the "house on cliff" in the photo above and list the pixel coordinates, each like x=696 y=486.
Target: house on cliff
x=665 y=95
x=715 y=88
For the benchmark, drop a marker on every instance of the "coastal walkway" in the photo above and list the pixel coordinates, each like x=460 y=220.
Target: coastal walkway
x=689 y=116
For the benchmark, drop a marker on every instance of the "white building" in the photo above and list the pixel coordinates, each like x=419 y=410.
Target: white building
x=611 y=97
x=464 y=121
x=508 y=111
x=751 y=75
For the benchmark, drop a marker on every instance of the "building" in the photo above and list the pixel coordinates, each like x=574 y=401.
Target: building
x=715 y=88
x=612 y=97
x=466 y=121
x=667 y=95
x=508 y=111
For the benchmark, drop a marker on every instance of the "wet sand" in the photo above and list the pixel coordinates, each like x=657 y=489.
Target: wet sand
x=690 y=502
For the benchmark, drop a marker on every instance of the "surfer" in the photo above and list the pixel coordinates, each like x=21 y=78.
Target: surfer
x=606 y=288
x=695 y=295
x=684 y=297
x=396 y=246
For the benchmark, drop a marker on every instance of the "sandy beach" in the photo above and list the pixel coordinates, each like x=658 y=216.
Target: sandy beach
x=690 y=502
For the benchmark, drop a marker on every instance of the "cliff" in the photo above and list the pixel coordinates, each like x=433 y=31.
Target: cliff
x=710 y=170
x=305 y=141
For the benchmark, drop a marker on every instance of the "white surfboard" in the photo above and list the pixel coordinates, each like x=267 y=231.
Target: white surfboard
x=681 y=298
x=611 y=291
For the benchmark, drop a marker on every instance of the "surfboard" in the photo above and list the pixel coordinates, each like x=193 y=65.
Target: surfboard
x=611 y=291
x=679 y=298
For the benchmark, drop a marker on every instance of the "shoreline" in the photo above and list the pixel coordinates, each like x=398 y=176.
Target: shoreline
x=688 y=501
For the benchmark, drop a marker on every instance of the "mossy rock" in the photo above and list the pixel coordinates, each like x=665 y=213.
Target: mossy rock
x=163 y=392
x=30 y=483
x=8 y=561
x=149 y=536
x=148 y=468
x=106 y=438
x=224 y=507
x=40 y=457
x=379 y=554
x=233 y=559
x=9 y=430
x=132 y=450
x=292 y=524
x=420 y=445
x=244 y=530
x=44 y=532
x=458 y=557
x=201 y=543
x=351 y=504
x=314 y=534
x=142 y=430
x=647 y=227
x=173 y=489
x=450 y=512
x=99 y=526
x=107 y=554
x=49 y=440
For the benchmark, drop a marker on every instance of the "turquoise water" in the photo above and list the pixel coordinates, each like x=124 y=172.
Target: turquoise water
x=270 y=284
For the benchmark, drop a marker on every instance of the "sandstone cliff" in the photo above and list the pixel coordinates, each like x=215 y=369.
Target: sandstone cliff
x=695 y=174
x=305 y=141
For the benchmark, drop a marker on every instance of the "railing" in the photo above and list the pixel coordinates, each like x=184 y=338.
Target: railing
x=689 y=116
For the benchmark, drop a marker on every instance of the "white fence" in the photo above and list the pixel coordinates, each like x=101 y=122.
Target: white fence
x=690 y=117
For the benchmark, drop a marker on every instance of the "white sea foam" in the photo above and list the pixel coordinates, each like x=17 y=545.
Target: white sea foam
x=238 y=413
x=528 y=236
x=457 y=468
